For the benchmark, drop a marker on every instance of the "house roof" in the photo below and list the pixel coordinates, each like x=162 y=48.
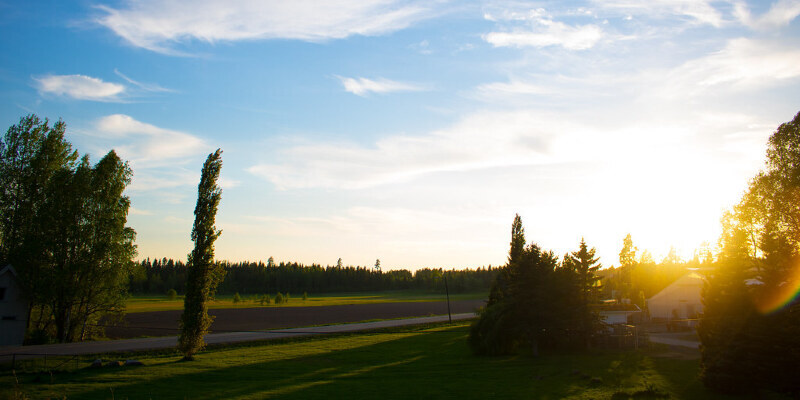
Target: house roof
x=8 y=268
x=691 y=279
x=616 y=307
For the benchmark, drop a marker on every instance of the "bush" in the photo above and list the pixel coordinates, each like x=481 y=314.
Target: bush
x=264 y=299
x=305 y=296
x=237 y=298
x=279 y=298
x=172 y=294
x=286 y=298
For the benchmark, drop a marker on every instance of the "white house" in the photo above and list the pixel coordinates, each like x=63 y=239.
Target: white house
x=679 y=300
x=13 y=309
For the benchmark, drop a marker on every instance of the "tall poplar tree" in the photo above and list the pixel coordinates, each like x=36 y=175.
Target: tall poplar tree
x=204 y=274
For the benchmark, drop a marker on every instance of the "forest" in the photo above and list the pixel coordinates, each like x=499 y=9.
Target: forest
x=159 y=276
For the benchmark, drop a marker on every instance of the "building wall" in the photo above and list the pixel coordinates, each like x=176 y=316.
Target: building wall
x=619 y=317
x=683 y=297
x=13 y=311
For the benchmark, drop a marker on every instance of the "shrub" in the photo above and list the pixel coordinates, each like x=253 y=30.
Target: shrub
x=286 y=297
x=172 y=294
x=237 y=298
x=279 y=298
x=305 y=296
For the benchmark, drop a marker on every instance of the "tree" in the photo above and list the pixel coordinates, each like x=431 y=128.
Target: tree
x=378 y=264
x=751 y=312
x=532 y=302
x=500 y=287
x=584 y=265
x=627 y=261
x=204 y=274
x=62 y=224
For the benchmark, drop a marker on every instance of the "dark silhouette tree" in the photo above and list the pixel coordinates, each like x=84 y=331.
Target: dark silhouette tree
x=532 y=301
x=203 y=272
x=500 y=287
x=584 y=266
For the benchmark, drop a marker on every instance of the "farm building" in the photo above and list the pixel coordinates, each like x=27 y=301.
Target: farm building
x=13 y=309
x=680 y=300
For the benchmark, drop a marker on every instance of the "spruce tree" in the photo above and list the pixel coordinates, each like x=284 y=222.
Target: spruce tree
x=584 y=266
x=203 y=273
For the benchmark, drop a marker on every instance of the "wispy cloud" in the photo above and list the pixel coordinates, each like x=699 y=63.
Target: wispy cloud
x=779 y=14
x=147 y=87
x=156 y=154
x=80 y=87
x=136 y=211
x=364 y=86
x=148 y=145
x=518 y=138
x=161 y=26
x=741 y=64
x=541 y=30
x=700 y=11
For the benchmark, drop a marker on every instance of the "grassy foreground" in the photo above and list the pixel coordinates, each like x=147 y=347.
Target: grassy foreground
x=431 y=362
x=145 y=303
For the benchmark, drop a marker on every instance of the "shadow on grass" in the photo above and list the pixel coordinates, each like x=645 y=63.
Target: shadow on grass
x=425 y=364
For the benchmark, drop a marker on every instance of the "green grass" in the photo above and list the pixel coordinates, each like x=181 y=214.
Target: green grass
x=432 y=362
x=144 y=303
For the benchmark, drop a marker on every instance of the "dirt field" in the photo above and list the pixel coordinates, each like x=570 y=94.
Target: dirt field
x=165 y=323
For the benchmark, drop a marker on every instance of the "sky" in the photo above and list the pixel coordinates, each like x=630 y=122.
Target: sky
x=413 y=131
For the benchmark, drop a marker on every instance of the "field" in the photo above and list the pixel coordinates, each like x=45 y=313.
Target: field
x=420 y=362
x=148 y=303
x=165 y=323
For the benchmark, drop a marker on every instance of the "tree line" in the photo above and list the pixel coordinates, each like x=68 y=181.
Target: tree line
x=154 y=276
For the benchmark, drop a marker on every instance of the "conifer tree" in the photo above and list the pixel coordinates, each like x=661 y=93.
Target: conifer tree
x=584 y=266
x=203 y=272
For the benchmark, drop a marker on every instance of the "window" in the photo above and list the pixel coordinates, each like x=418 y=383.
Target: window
x=2 y=293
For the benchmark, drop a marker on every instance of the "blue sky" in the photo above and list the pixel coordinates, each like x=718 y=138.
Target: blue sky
x=414 y=131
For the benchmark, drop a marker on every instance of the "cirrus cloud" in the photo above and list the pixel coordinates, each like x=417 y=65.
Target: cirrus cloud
x=159 y=26
x=364 y=86
x=542 y=31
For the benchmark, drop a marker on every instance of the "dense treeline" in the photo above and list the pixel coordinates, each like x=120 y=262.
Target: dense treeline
x=159 y=276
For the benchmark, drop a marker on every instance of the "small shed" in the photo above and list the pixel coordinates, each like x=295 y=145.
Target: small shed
x=680 y=300
x=616 y=313
x=13 y=309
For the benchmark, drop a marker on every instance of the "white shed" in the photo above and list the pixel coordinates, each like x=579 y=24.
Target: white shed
x=682 y=299
x=13 y=309
x=616 y=313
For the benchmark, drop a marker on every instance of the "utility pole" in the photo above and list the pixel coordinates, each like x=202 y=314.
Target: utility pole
x=447 y=292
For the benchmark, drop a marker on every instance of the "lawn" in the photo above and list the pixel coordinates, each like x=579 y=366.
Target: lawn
x=145 y=303
x=423 y=362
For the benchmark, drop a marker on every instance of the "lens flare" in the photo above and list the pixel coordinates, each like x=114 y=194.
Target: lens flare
x=779 y=297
